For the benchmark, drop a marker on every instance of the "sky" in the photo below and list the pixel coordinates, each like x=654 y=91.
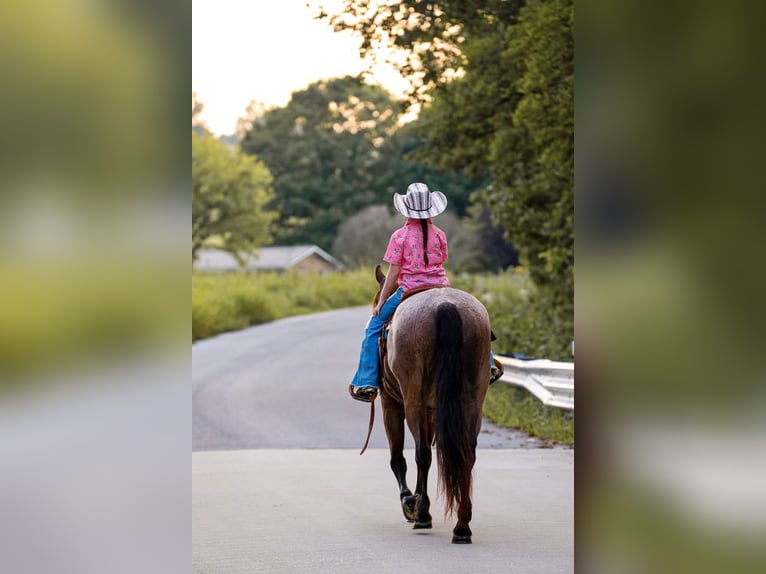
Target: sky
x=264 y=50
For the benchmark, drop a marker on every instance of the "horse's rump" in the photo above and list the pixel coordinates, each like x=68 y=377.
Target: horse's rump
x=412 y=338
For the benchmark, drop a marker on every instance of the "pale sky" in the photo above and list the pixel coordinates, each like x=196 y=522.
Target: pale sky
x=264 y=50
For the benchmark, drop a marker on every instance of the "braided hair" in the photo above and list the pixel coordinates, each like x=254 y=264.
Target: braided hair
x=424 y=229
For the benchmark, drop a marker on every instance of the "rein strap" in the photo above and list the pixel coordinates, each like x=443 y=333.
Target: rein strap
x=369 y=431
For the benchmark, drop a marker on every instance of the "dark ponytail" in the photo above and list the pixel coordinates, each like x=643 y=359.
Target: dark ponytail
x=424 y=228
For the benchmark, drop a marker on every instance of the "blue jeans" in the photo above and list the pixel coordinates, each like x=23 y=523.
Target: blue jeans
x=367 y=371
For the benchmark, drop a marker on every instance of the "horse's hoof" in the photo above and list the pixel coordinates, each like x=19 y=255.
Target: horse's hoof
x=421 y=525
x=461 y=539
x=409 y=507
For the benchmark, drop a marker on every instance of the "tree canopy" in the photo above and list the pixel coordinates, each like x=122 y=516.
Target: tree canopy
x=326 y=151
x=422 y=39
x=336 y=148
x=230 y=191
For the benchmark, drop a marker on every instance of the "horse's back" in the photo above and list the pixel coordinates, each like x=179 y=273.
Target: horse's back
x=422 y=307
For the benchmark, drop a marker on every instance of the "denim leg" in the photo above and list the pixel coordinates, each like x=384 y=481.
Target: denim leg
x=367 y=371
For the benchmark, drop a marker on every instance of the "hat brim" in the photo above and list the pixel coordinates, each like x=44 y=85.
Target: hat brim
x=438 y=205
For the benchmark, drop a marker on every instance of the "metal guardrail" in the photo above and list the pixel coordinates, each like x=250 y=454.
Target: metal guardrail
x=550 y=381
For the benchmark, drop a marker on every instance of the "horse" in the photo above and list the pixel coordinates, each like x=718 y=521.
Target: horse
x=435 y=375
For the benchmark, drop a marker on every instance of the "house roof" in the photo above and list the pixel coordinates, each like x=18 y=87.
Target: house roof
x=265 y=258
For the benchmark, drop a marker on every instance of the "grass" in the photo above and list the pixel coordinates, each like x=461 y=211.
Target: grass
x=515 y=407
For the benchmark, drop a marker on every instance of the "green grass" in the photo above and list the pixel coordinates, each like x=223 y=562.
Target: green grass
x=515 y=407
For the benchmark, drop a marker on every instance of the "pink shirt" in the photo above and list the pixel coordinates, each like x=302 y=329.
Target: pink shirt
x=405 y=248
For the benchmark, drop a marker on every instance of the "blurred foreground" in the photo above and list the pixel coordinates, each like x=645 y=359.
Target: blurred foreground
x=94 y=323
x=671 y=403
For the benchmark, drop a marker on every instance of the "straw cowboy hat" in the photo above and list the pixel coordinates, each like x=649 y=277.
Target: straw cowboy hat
x=420 y=202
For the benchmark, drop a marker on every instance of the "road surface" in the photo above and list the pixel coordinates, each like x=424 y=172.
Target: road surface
x=279 y=486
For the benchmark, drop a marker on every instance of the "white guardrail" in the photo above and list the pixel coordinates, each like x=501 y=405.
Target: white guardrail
x=550 y=381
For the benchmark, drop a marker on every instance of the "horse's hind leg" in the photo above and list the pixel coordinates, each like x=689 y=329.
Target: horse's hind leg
x=461 y=534
x=393 y=421
x=423 y=441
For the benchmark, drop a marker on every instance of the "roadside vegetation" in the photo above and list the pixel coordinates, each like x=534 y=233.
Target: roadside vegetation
x=514 y=407
x=232 y=301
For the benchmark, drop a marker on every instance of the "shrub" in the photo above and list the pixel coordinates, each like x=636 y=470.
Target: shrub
x=520 y=319
x=232 y=301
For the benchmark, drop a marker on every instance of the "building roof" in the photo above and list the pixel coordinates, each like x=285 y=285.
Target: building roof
x=276 y=258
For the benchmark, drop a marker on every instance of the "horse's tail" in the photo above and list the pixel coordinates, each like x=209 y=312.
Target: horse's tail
x=454 y=437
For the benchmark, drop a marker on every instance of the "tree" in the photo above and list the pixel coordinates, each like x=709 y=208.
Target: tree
x=328 y=152
x=512 y=118
x=423 y=40
x=362 y=238
x=336 y=148
x=230 y=191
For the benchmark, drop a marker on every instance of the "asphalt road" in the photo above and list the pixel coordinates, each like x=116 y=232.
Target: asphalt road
x=279 y=486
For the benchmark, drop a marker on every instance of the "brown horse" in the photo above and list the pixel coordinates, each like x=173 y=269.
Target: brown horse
x=435 y=377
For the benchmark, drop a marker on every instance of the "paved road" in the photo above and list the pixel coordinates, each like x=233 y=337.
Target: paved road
x=279 y=486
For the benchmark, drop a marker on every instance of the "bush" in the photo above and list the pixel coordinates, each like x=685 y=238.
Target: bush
x=232 y=301
x=520 y=318
x=214 y=312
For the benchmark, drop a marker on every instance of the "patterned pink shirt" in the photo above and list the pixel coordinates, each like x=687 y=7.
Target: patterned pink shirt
x=405 y=248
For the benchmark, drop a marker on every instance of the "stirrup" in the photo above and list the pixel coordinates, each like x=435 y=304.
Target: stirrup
x=366 y=394
x=496 y=372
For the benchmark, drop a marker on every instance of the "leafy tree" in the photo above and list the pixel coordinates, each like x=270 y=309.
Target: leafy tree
x=337 y=148
x=423 y=40
x=230 y=191
x=328 y=153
